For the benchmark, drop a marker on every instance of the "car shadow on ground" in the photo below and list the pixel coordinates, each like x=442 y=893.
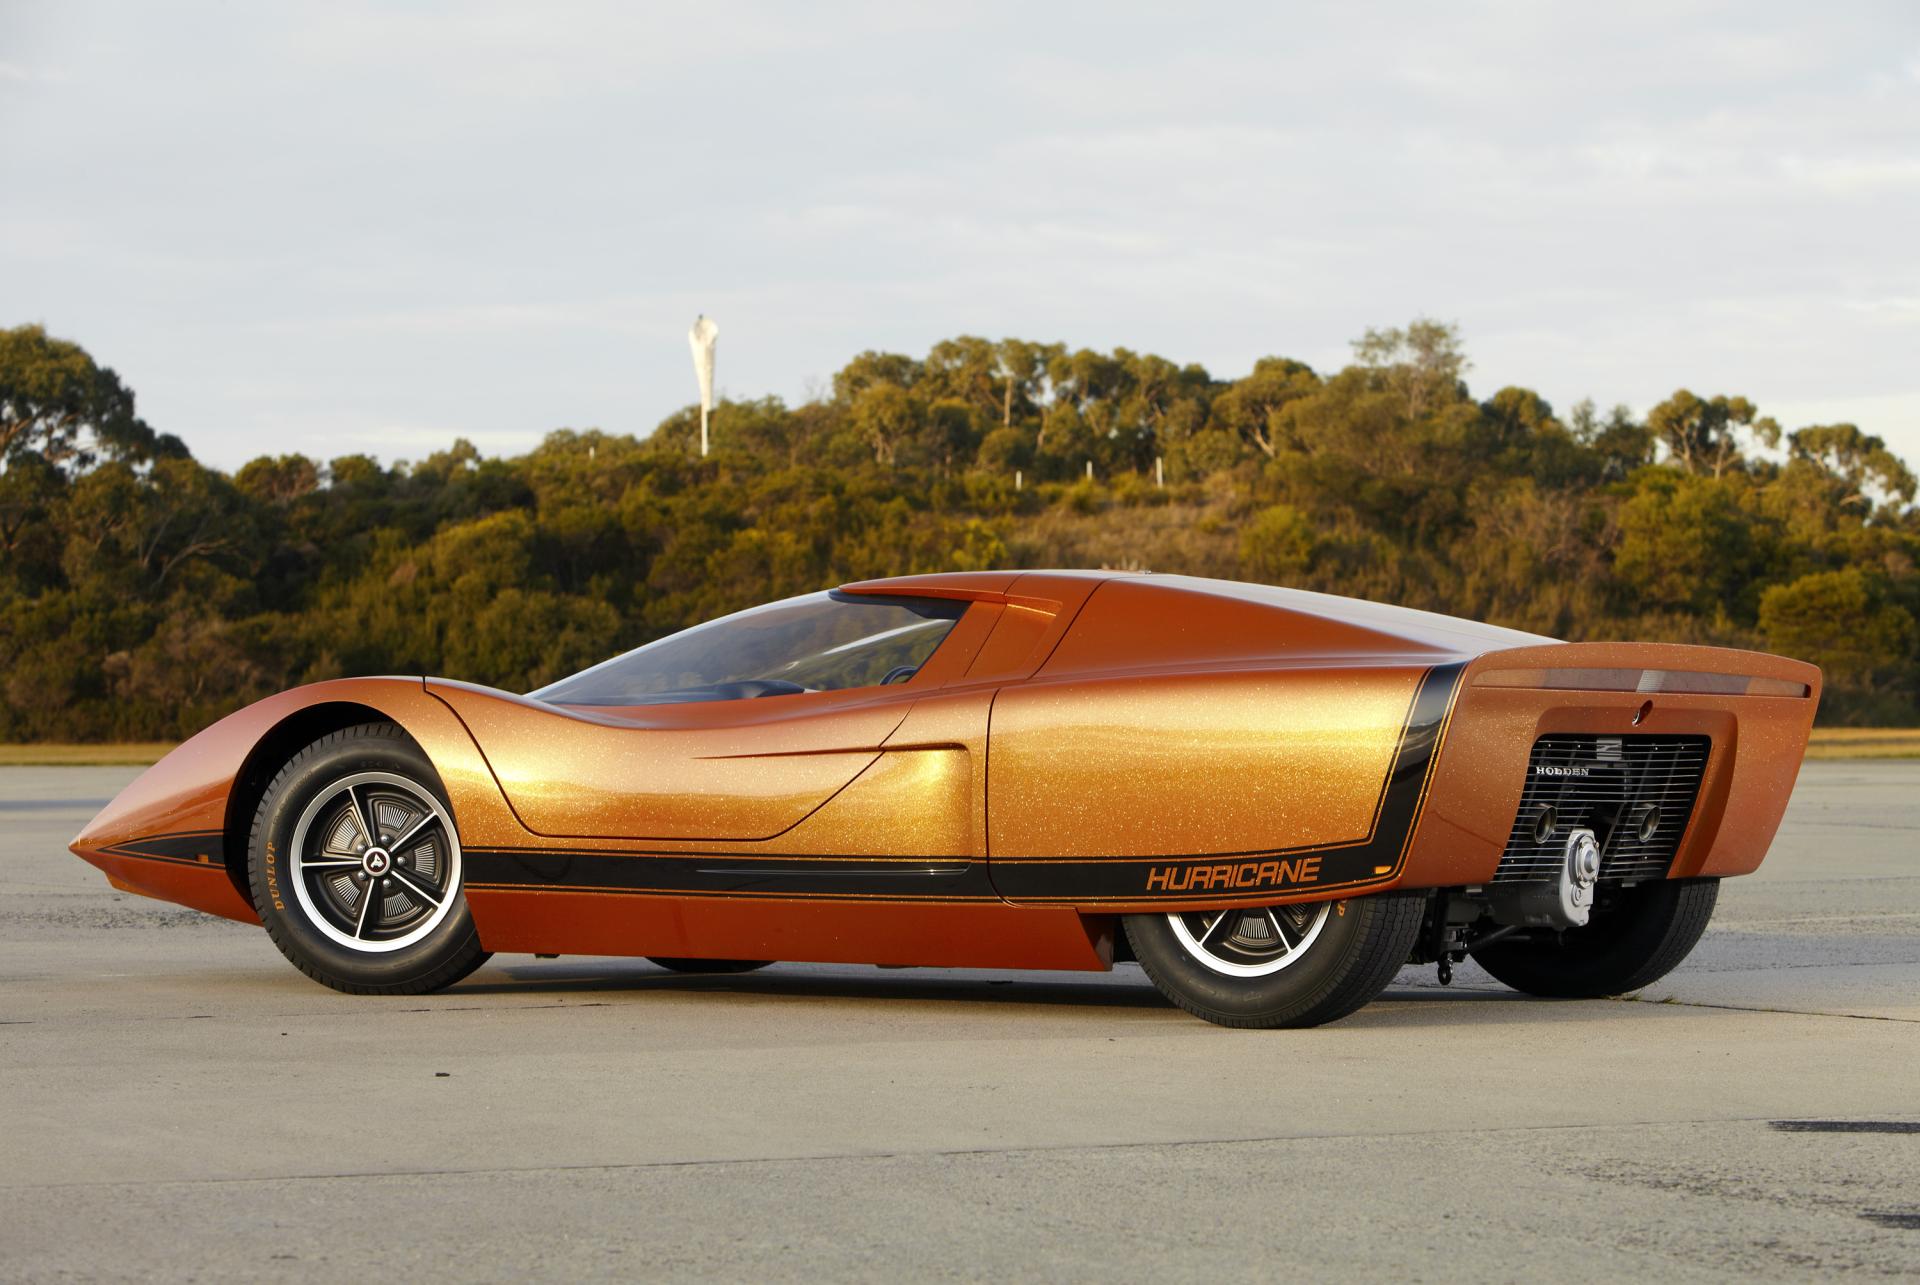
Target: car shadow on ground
x=1124 y=988
x=1101 y=990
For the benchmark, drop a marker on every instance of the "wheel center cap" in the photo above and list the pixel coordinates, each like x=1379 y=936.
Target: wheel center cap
x=376 y=861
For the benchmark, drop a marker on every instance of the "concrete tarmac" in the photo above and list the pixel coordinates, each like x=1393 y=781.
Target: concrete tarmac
x=177 y=1102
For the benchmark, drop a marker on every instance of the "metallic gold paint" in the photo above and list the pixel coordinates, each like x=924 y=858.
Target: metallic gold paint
x=911 y=804
x=1192 y=764
x=725 y=770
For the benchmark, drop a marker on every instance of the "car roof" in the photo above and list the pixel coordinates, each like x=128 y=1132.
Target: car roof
x=1156 y=600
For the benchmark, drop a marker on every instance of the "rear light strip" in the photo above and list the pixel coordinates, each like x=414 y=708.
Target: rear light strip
x=1643 y=680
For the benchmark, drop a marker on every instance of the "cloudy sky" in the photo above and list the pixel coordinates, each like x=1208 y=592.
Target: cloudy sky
x=342 y=227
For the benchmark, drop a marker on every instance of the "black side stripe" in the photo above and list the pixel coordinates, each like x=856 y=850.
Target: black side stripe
x=187 y=848
x=729 y=874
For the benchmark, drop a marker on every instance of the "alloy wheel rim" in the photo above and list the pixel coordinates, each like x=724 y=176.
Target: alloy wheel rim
x=1254 y=941
x=375 y=862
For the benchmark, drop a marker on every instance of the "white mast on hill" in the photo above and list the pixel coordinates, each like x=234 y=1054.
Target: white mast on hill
x=702 y=337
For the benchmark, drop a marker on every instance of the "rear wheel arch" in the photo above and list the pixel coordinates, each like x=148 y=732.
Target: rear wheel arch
x=1331 y=959
x=269 y=754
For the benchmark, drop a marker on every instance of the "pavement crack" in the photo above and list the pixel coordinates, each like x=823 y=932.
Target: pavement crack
x=1901 y=1221
x=1728 y=969
x=1671 y=1002
x=934 y=1153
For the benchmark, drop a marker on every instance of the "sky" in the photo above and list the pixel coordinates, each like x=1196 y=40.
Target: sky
x=348 y=227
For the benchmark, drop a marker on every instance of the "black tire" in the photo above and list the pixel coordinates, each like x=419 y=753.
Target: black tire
x=708 y=965
x=307 y=926
x=1354 y=953
x=1633 y=943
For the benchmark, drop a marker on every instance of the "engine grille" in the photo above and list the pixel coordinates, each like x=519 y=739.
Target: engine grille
x=1601 y=783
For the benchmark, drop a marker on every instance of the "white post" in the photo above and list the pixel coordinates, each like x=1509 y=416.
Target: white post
x=1159 y=472
x=1089 y=470
x=1017 y=479
x=702 y=338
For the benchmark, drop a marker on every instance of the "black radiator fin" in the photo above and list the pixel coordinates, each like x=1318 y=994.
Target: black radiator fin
x=1605 y=784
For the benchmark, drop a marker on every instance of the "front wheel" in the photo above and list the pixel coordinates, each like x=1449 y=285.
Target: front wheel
x=1633 y=943
x=355 y=867
x=1278 y=966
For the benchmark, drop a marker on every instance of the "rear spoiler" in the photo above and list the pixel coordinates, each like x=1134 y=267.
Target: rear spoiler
x=1646 y=667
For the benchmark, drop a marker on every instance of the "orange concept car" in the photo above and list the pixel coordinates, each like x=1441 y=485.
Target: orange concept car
x=1272 y=799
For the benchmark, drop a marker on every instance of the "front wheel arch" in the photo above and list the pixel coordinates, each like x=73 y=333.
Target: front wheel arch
x=263 y=762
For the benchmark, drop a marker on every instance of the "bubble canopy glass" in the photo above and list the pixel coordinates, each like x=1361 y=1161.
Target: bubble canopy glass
x=815 y=643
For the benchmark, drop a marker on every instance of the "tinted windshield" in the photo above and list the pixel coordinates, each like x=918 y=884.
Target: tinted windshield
x=822 y=642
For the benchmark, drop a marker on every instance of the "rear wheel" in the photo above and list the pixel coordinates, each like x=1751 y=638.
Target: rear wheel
x=1635 y=942
x=708 y=965
x=355 y=866
x=1278 y=966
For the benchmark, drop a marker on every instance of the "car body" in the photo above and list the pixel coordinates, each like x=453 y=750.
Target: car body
x=1076 y=747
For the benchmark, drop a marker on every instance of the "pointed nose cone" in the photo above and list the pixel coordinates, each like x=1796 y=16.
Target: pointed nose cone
x=94 y=835
x=173 y=796
x=110 y=825
x=162 y=836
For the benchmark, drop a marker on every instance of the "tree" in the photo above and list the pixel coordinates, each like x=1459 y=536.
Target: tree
x=1163 y=402
x=355 y=470
x=1006 y=449
x=1088 y=381
x=964 y=370
x=1253 y=409
x=142 y=594
x=1277 y=545
x=1843 y=622
x=887 y=416
x=278 y=479
x=871 y=368
x=29 y=491
x=952 y=432
x=1703 y=436
x=1687 y=544
x=188 y=513
x=1517 y=415
x=1066 y=440
x=1021 y=369
x=1422 y=364
x=1863 y=463
x=1620 y=443
x=56 y=403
